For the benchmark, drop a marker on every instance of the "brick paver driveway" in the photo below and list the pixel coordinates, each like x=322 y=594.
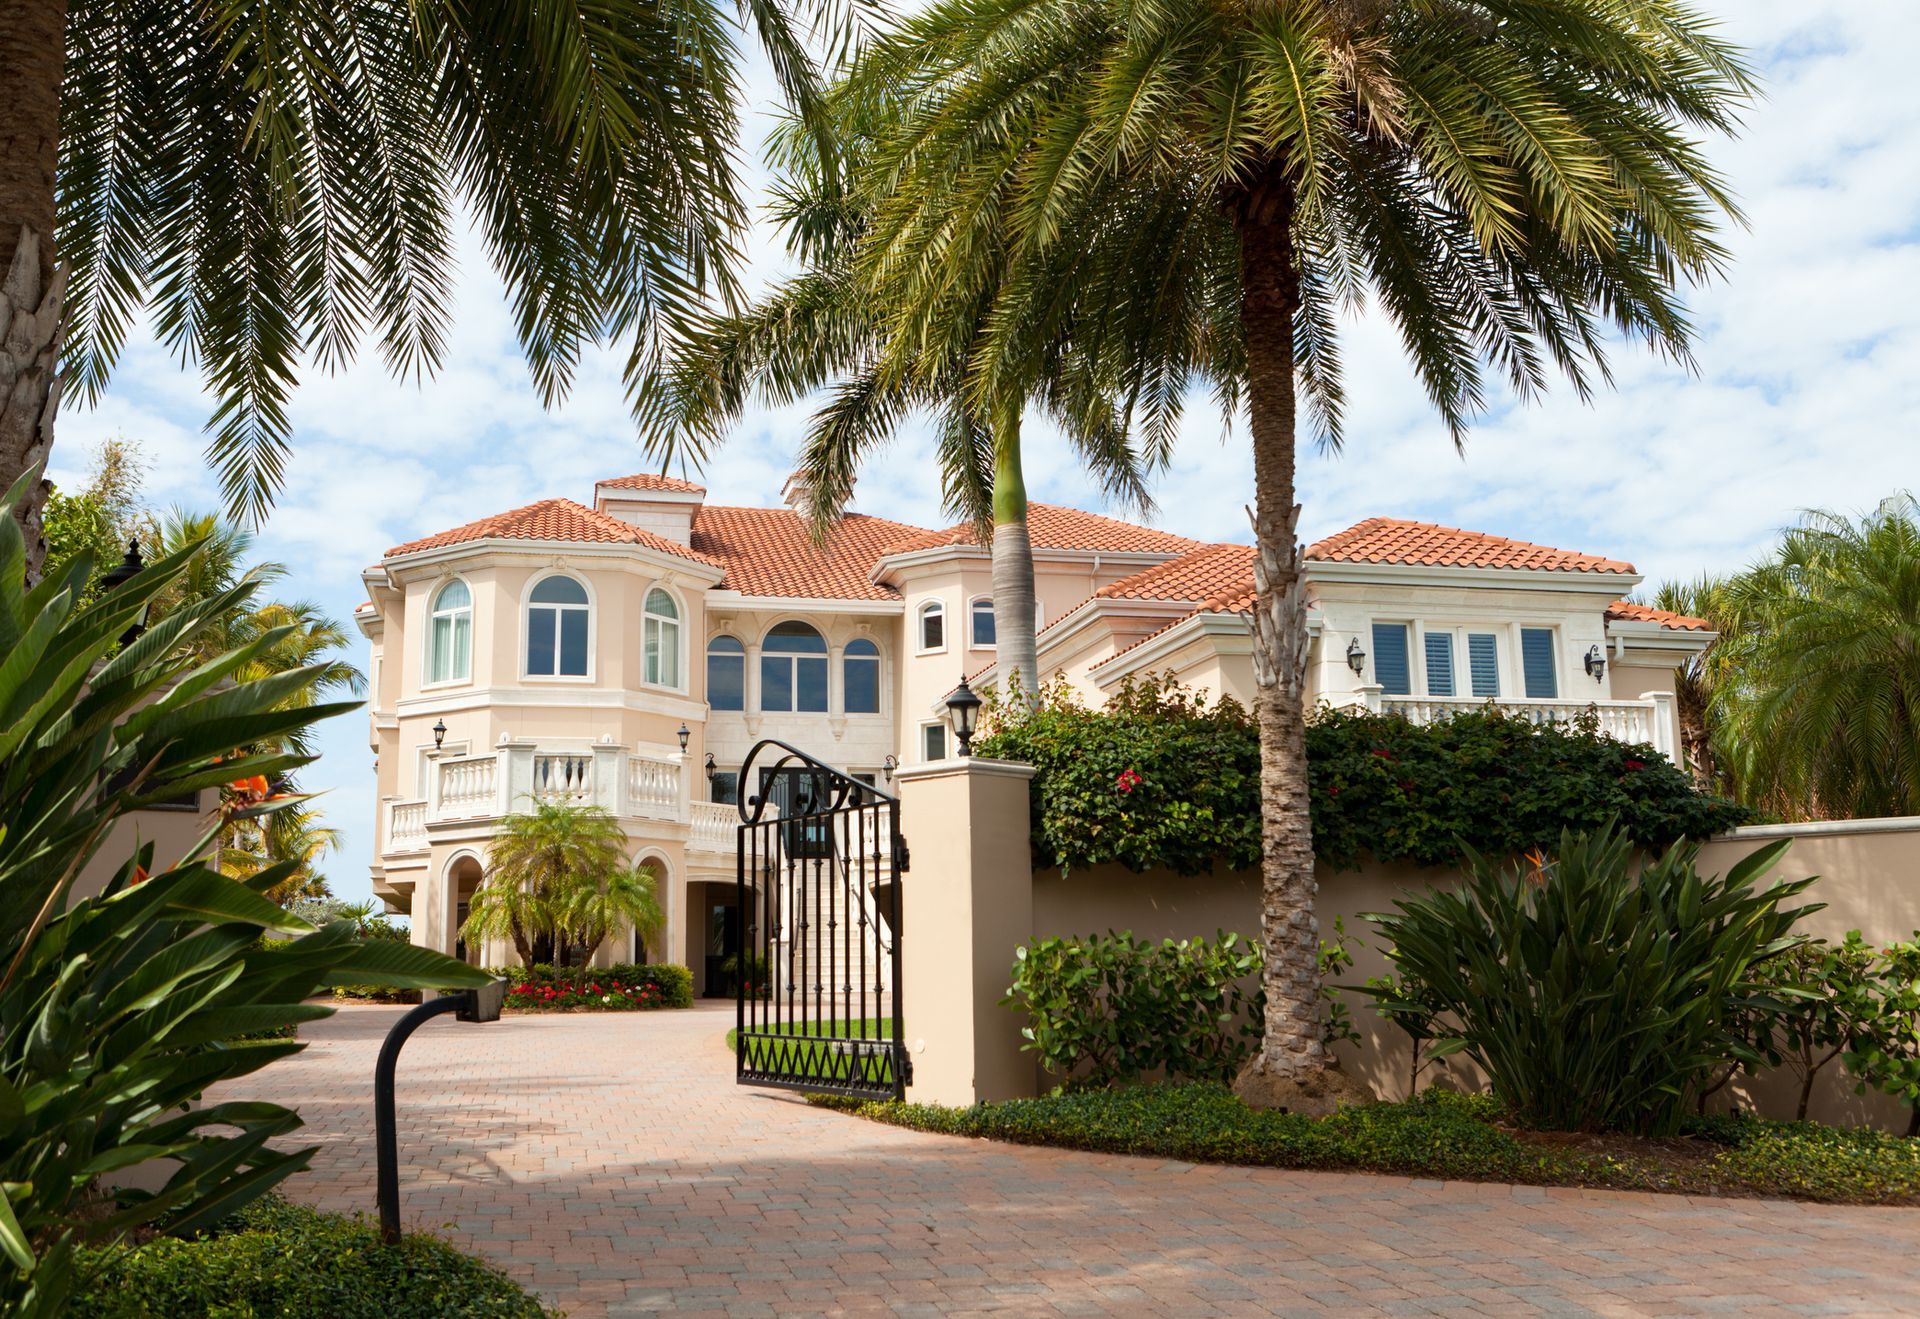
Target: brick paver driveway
x=611 y=1162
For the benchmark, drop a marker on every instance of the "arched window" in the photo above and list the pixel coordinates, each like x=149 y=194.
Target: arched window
x=793 y=670
x=933 y=626
x=661 y=639
x=980 y=619
x=450 y=635
x=557 y=629
x=860 y=674
x=726 y=674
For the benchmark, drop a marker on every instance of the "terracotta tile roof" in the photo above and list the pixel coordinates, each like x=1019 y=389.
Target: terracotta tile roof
x=767 y=551
x=1052 y=527
x=1395 y=540
x=1630 y=611
x=1198 y=576
x=653 y=481
x=551 y=520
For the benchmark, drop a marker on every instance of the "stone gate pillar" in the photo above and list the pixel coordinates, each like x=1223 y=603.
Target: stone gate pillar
x=966 y=904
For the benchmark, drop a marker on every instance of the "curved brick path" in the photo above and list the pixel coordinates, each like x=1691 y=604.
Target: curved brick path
x=610 y=1162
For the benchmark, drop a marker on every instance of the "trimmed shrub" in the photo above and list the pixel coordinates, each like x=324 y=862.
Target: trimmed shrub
x=1101 y=1011
x=1595 y=995
x=275 y=1258
x=622 y=987
x=1163 y=778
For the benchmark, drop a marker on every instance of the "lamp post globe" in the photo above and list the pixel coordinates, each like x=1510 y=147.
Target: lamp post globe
x=963 y=712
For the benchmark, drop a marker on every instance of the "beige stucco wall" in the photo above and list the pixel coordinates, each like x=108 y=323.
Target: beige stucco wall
x=1869 y=878
x=172 y=833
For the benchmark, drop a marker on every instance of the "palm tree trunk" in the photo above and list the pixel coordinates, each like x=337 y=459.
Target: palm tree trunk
x=1013 y=592
x=33 y=45
x=1293 y=1069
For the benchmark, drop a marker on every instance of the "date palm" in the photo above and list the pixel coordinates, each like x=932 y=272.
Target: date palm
x=1201 y=190
x=824 y=328
x=273 y=183
x=556 y=872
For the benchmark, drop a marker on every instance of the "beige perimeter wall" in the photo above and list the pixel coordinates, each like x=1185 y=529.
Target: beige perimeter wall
x=1869 y=878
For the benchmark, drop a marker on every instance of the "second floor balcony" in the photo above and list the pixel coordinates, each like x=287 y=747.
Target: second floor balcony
x=486 y=785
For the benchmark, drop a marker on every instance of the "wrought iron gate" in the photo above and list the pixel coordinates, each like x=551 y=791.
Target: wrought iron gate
x=818 y=989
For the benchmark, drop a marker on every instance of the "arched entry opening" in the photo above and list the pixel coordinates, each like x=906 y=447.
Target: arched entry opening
x=464 y=878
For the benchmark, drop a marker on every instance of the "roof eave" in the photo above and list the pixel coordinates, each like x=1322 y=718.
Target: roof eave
x=1592 y=581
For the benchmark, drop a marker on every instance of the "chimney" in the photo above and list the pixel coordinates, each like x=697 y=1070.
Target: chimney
x=798 y=490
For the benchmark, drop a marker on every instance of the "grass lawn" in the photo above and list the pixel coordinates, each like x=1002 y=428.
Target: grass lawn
x=1442 y=1135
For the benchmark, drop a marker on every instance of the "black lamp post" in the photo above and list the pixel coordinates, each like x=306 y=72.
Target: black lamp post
x=129 y=567
x=439 y=733
x=481 y=1004
x=685 y=735
x=963 y=712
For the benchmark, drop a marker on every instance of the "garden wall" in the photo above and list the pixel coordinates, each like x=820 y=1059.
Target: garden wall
x=1869 y=878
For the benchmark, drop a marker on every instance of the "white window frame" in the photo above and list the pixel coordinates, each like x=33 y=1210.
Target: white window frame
x=434 y=615
x=648 y=620
x=593 y=631
x=793 y=658
x=973 y=636
x=946 y=738
x=925 y=611
x=879 y=661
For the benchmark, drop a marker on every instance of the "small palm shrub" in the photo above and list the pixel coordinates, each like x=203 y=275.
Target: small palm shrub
x=1596 y=995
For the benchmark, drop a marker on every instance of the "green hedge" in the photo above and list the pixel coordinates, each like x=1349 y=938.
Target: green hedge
x=1438 y=1134
x=622 y=987
x=280 y=1259
x=1162 y=778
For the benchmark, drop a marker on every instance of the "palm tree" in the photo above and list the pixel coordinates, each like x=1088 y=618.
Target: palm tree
x=1816 y=702
x=540 y=866
x=1198 y=191
x=630 y=897
x=283 y=181
x=1705 y=597
x=293 y=833
x=824 y=327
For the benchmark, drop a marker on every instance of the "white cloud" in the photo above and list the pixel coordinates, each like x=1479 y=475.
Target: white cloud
x=1807 y=394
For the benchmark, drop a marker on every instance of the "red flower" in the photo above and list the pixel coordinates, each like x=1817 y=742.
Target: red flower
x=1333 y=792
x=1383 y=753
x=1636 y=764
x=1128 y=780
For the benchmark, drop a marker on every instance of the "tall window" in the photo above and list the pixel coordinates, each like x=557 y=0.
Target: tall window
x=1391 y=666
x=933 y=626
x=1537 y=668
x=980 y=618
x=933 y=741
x=860 y=671
x=450 y=635
x=1483 y=663
x=557 y=629
x=660 y=640
x=793 y=670
x=726 y=675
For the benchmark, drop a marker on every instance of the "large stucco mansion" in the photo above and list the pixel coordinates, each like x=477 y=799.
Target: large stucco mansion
x=560 y=651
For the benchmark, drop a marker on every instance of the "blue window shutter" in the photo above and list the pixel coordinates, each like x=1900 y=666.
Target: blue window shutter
x=1439 y=663
x=1390 y=663
x=1483 y=662
x=1536 y=663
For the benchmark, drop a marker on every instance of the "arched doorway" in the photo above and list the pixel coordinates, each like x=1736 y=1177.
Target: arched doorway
x=464 y=878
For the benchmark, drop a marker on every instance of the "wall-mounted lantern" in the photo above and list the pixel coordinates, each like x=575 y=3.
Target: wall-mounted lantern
x=711 y=767
x=1596 y=664
x=887 y=766
x=963 y=712
x=439 y=733
x=1356 y=657
x=685 y=734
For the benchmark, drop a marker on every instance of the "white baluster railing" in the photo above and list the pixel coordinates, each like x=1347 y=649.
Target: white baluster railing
x=1624 y=721
x=715 y=827
x=469 y=786
x=653 y=786
x=407 y=826
x=565 y=778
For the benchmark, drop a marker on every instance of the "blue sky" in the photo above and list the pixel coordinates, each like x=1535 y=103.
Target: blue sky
x=1807 y=395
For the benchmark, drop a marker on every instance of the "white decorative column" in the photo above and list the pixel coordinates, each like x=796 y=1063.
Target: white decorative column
x=610 y=779
x=1666 y=725
x=513 y=777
